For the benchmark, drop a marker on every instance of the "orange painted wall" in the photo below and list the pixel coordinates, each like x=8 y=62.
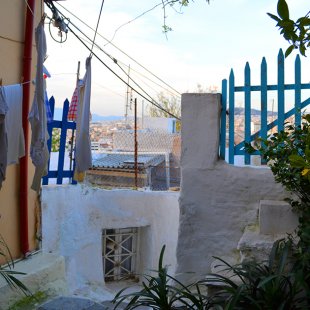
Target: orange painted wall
x=12 y=23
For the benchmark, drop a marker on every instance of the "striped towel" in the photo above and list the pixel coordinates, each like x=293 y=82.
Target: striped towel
x=72 y=114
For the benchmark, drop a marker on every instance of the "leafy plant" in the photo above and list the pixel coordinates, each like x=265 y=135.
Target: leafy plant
x=288 y=154
x=7 y=272
x=269 y=285
x=164 y=292
x=297 y=33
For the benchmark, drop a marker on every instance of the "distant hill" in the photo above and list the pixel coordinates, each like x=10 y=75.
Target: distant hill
x=240 y=111
x=95 y=117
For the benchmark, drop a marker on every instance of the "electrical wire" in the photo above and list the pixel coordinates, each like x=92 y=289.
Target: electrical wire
x=97 y=27
x=107 y=54
x=115 y=61
x=120 y=78
x=135 y=61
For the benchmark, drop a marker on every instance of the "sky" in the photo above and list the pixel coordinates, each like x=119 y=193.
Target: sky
x=206 y=42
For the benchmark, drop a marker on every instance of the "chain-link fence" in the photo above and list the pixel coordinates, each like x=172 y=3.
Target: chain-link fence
x=153 y=164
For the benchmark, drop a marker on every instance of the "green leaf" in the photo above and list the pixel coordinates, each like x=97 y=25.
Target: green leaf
x=297 y=161
x=282 y=9
x=289 y=50
x=276 y=18
x=302 y=49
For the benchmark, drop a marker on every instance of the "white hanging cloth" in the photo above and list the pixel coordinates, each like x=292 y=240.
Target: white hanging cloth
x=12 y=141
x=3 y=136
x=83 y=158
x=14 y=123
x=37 y=115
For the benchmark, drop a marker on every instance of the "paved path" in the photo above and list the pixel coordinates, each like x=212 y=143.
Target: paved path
x=77 y=303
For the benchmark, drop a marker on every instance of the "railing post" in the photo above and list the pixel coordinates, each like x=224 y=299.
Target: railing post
x=50 y=133
x=223 y=120
x=297 y=91
x=264 y=106
x=247 y=111
x=62 y=143
x=281 y=99
x=231 y=117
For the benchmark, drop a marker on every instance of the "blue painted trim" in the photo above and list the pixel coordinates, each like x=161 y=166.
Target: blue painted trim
x=272 y=87
x=264 y=105
x=281 y=98
x=62 y=146
x=223 y=120
x=273 y=124
x=50 y=132
x=247 y=110
x=231 y=117
x=297 y=91
x=64 y=125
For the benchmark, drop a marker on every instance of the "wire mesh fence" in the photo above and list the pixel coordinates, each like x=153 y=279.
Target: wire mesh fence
x=155 y=166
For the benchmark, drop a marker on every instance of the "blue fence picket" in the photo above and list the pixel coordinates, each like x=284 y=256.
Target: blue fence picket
x=281 y=100
x=247 y=110
x=63 y=125
x=264 y=100
x=297 y=91
x=263 y=88
x=223 y=120
x=231 y=117
x=50 y=132
x=62 y=142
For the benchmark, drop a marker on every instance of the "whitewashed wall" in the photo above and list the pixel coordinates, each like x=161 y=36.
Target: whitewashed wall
x=73 y=218
x=217 y=200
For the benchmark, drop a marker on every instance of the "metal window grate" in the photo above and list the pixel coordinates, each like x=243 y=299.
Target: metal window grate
x=119 y=253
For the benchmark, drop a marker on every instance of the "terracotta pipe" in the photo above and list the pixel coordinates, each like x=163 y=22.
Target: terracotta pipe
x=24 y=241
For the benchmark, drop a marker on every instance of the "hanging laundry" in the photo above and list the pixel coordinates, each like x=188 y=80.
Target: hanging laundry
x=14 y=123
x=83 y=159
x=73 y=108
x=37 y=115
x=3 y=136
x=49 y=115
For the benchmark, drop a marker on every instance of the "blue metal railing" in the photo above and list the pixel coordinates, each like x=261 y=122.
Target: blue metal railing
x=228 y=94
x=64 y=125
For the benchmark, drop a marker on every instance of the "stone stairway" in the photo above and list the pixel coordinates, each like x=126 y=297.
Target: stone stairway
x=275 y=220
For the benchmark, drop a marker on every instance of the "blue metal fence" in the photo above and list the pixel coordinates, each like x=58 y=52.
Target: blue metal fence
x=228 y=94
x=64 y=125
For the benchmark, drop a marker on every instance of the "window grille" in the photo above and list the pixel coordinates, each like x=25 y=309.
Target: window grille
x=119 y=254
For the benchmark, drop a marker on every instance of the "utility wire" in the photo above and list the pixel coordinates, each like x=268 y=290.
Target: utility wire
x=120 y=78
x=97 y=27
x=119 y=49
x=115 y=61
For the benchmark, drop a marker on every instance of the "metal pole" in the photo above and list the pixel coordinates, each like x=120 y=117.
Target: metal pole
x=127 y=96
x=142 y=115
x=72 y=136
x=136 y=147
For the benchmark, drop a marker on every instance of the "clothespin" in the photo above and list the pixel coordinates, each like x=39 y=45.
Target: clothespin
x=43 y=17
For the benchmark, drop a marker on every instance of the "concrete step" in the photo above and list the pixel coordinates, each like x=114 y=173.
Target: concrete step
x=257 y=246
x=276 y=217
x=44 y=273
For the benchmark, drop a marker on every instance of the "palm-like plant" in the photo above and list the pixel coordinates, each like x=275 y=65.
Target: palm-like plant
x=164 y=292
x=270 y=285
x=7 y=272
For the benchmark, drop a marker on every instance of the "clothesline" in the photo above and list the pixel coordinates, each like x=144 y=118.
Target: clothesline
x=23 y=83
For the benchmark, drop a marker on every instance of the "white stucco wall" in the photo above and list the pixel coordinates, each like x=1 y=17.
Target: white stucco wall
x=217 y=200
x=73 y=218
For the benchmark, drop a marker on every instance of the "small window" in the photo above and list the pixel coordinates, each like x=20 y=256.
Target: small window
x=119 y=254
